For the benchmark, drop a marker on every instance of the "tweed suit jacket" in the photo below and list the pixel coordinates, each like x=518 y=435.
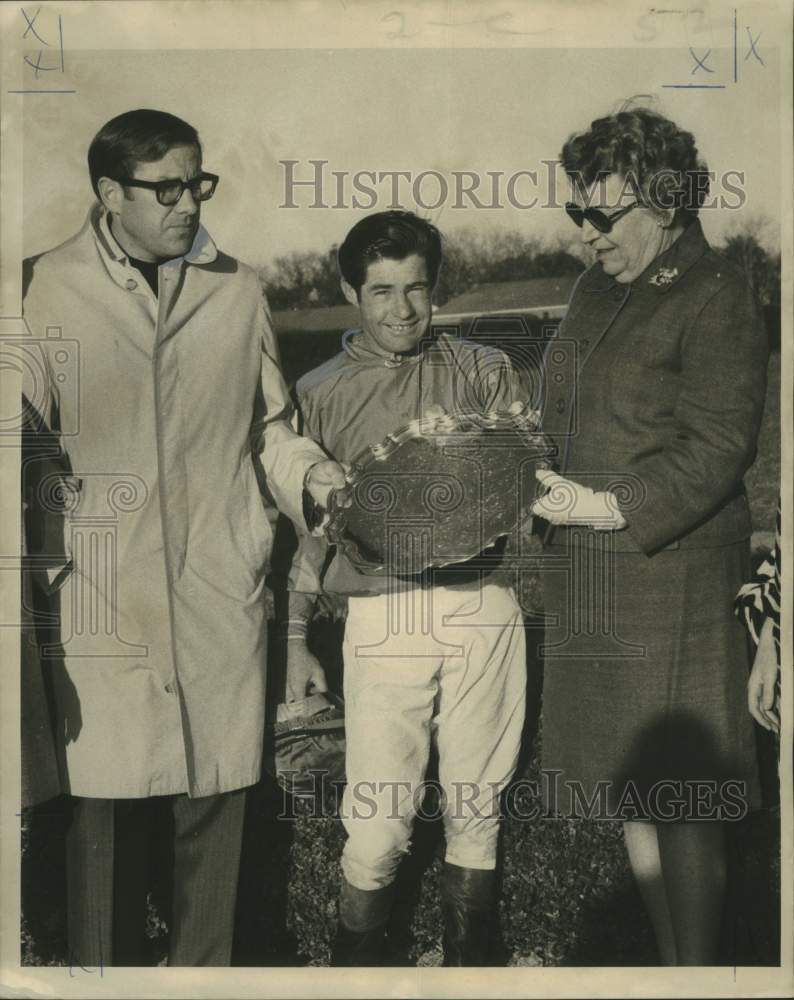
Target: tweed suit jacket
x=655 y=390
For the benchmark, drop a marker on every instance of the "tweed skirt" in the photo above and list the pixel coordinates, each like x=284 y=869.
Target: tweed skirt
x=644 y=691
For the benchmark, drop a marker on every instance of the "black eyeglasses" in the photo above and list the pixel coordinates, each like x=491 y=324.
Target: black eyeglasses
x=171 y=190
x=598 y=220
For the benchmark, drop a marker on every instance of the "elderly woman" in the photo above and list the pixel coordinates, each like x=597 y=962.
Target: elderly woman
x=646 y=666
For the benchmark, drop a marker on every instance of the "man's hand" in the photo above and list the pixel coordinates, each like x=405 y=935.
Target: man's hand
x=304 y=673
x=322 y=480
x=761 y=695
x=567 y=502
x=323 y=477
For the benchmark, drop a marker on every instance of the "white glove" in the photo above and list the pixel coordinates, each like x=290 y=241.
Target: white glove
x=566 y=502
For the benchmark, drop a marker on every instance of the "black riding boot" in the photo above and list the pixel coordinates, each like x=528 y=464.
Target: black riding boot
x=467 y=896
x=363 y=915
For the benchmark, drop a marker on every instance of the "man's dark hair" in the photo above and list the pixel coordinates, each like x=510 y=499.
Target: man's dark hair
x=141 y=136
x=391 y=235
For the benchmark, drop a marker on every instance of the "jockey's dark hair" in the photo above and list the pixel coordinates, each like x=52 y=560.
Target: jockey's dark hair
x=392 y=235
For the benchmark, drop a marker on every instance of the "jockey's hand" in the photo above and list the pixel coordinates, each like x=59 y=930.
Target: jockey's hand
x=305 y=675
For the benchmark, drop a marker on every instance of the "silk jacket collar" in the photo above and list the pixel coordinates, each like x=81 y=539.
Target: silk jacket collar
x=353 y=345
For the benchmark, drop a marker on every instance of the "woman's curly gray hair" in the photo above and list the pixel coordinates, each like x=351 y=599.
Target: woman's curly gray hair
x=658 y=159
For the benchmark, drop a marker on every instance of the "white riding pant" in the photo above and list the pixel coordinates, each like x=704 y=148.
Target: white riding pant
x=424 y=664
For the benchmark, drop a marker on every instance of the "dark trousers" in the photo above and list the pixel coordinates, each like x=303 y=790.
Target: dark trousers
x=109 y=846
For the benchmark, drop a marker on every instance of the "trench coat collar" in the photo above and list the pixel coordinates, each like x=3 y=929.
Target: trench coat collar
x=203 y=250
x=664 y=271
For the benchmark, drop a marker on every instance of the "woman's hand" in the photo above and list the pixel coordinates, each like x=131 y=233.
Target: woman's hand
x=567 y=502
x=761 y=695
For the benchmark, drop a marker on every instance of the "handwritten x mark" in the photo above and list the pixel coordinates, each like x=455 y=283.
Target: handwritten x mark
x=31 y=23
x=701 y=63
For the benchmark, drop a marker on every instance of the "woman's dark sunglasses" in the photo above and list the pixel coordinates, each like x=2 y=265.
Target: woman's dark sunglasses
x=169 y=191
x=598 y=220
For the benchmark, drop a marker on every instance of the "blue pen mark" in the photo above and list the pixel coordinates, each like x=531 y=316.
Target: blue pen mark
x=700 y=63
x=494 y=23
x=400 y=32
x=30 y=25
x=74 y=963
x=753 y=51
x=37 y=65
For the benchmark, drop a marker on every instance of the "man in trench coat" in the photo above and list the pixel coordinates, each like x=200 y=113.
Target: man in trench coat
x=154 y=359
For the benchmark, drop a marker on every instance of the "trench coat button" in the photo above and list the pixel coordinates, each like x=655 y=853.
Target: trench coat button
x=585 y=343
x=169 y=689
x=560 y=405
x=132 y=284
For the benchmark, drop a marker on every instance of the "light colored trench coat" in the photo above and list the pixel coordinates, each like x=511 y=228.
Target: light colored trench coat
x=172 y=412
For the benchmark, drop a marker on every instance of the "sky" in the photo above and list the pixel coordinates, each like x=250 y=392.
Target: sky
x=410 y=109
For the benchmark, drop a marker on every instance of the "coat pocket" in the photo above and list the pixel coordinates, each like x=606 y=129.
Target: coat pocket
x=48 y=525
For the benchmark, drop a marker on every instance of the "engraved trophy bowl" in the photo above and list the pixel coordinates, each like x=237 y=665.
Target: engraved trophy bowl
x=439 y=491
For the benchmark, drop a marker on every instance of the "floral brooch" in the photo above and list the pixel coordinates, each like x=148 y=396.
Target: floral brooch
x=664 y=276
